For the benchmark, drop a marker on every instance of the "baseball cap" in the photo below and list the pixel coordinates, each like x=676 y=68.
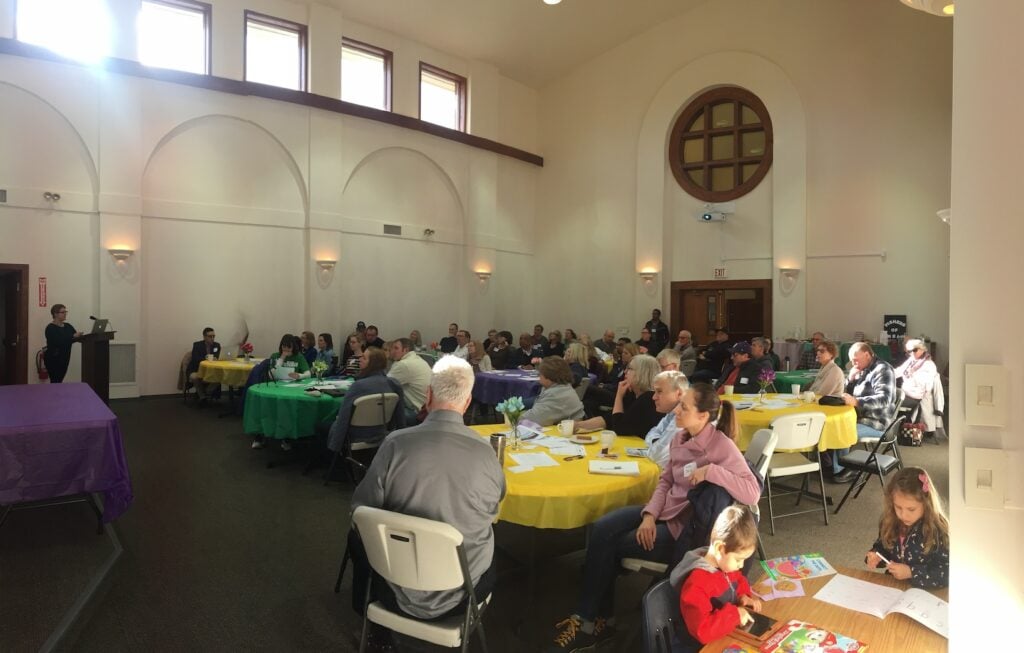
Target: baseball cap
x=741 y=348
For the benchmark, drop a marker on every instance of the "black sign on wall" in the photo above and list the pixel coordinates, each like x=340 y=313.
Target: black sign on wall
x=895 y=325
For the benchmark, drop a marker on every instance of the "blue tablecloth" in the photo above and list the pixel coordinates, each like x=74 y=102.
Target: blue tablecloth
x=494 y=387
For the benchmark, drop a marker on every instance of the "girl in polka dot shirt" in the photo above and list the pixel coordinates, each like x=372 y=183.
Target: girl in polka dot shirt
x=913 y=534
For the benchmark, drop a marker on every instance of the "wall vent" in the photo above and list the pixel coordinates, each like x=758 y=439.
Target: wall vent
x=122 y=362
x=393 y=229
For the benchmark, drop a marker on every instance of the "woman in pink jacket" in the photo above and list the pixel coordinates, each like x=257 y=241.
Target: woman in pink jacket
x=704 y=449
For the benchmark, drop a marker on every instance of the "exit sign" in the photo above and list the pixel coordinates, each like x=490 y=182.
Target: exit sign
x=721 y=273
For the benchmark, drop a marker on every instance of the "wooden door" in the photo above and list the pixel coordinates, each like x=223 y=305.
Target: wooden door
x=13 y=324
x=744 y=307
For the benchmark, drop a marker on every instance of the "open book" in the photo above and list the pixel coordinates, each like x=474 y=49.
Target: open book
x=879 y=600
x=802 y=636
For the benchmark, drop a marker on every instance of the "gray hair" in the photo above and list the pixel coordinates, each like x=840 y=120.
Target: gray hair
x=669 y=357
x=645 y=368
x=451 y=381
x=676 y=380
x=861 y=346
x=763 y=342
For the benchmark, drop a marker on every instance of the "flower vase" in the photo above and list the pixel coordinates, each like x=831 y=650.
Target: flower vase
x=760 y=396
x=247 y=357
x=513 y=438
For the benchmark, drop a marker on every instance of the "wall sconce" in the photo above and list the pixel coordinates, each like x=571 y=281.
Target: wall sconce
x=120 y=255
x=945 y=215
x=787 y=278
x=51 y=197
x=648 y=276
x=326 y=264
x=483 y=275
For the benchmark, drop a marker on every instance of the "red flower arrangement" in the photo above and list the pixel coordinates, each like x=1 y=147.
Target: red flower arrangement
x=246 y=347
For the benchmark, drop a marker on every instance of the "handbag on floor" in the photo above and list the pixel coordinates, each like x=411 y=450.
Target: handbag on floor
x=911 y=434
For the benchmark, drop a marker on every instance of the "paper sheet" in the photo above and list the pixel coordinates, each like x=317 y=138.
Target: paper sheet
x=519 y=469
x=567 y=449
x=534 y=459
x=859 y=595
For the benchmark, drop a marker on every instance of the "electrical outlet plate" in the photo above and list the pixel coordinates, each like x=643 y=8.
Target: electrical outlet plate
x=986 y=395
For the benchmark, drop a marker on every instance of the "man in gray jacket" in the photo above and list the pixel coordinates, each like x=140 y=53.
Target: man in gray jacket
x=439 y=470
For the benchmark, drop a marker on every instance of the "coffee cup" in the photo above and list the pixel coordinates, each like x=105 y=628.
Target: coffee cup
x=565 y=427
x=729 y=389
x=808 y=397
x=796 y=389
x=607 y=440
x=209 y=357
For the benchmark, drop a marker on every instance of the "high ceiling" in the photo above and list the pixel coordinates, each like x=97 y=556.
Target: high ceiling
x=527 y=40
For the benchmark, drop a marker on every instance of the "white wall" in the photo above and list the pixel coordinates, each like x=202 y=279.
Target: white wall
x=986 y=581
x=229 y=200
x=862 y=170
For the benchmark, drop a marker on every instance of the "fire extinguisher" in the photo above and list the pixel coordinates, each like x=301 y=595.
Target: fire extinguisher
x=41 y=365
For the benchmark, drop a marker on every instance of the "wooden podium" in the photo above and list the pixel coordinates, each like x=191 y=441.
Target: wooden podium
x=96 y=362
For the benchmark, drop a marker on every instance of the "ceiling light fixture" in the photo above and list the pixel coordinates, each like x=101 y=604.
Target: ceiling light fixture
x=552 y=2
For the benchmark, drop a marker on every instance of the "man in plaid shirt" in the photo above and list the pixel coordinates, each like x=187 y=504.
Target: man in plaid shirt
x=809 y=357
x=871 y=389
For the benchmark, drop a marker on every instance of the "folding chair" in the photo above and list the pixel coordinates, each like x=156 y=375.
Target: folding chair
x=581 y=389
x=183 y=381
x=369 y=410
x=759 y=454
x=662 y=622
x=418 y=554
x=799 y=432
x=875 y=461
x=869 y=441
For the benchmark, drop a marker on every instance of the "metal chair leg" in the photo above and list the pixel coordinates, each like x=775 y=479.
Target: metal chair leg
x=341 y=572
x=824 y=499
x=771 y=511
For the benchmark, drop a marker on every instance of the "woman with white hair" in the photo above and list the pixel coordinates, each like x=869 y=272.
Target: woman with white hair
x=918 y=371
x=633 y=412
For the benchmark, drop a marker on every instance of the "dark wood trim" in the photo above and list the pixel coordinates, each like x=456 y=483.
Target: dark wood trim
x=21 y=349
x=387 y=55
x=271 y=21
x=678 y=287
x=237 y=87
x=680 y=132
x=461 y=88
x=206 y=9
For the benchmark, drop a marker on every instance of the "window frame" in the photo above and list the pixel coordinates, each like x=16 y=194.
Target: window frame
x=702 y=105
x=389 y=59
x=206 y=9
x=281 y=23
x=462 y=88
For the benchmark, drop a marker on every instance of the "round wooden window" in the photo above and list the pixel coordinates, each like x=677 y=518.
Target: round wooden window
x=721 y=144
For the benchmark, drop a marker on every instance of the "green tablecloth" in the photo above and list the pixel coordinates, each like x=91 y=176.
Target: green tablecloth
x=285 y=411
x=784 y=380
x=881 y=351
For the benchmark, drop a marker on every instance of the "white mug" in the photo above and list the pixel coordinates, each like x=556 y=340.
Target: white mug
x=796 y=389
x=565 y=427
x=209 y=357
x=607 y=439
x=729 y=389
x=808 y=397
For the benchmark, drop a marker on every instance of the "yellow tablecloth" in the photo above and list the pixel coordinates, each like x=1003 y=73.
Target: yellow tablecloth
x=569 y=496
x=232 y=373
x=840 y=422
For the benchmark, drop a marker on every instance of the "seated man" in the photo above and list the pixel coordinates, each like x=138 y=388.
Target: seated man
x=438 y=470
x=684 y=345
x=523 y=356
x=871 y=389
x=500 y=349
x=448 y=343
x=413 y=373
x=711 y=361
x=208 y=346
x=759 y=353
x=668 y=360
x=668 y=392
x=809 y=355
x=741 y=372
x=607 y=343
x=462 y=339
x=647 y=343
x=372 y=338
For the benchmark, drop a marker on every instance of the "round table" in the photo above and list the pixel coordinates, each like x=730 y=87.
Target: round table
x=284 y=410
x=497 y=386
x=840 y=421
x=232 y=373
x=569 y=496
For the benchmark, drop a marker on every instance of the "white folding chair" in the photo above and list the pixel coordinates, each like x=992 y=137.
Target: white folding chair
x=759 y=453
x=796 y=433
x=418 y=554
x=369 y=410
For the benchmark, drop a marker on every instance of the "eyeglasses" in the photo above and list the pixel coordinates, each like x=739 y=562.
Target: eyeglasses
x=822 y=351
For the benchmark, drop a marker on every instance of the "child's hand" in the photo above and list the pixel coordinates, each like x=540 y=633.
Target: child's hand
x=751 y=602
x=745 y=617
x=872 y=560
x=899 y=570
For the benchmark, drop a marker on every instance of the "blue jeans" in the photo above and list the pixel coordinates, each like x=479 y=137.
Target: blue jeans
x=613 y=538
x=863 y=431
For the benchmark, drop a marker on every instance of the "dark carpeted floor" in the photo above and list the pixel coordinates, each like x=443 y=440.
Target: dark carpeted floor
x=222 y=553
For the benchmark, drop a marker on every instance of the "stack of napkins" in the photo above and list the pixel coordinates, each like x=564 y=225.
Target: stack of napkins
x=615 y=468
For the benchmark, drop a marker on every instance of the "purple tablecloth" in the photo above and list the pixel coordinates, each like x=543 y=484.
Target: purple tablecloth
x=58 y=440
x=494 y=387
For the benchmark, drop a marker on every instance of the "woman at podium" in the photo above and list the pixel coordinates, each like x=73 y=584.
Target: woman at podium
x=59 y=336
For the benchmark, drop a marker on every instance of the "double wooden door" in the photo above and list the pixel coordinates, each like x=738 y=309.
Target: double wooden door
x=743 y=307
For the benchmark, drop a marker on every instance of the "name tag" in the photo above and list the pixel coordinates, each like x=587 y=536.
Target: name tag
x=689 y=469
x=289 y=364
x=744 y=380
